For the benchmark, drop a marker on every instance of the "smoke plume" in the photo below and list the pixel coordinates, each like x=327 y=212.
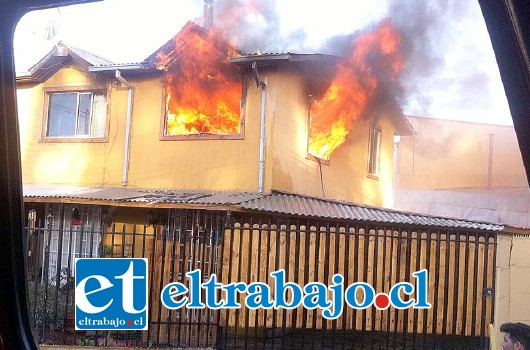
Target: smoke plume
x=447 y=69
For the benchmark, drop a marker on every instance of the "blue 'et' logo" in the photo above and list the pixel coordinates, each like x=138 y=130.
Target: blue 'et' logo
x=111 y=294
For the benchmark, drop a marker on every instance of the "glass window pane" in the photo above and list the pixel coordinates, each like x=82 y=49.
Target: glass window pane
x=99 y=115
x=62 y=114
x=83 y=123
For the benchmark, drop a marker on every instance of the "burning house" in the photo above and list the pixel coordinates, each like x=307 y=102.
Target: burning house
x=201 y=155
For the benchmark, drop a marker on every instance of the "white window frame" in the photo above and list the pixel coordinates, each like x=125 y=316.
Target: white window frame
x=97 y=126
x=374 y=152
x=90 y=217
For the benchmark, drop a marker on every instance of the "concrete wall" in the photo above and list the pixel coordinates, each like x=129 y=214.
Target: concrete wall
x=512 y=290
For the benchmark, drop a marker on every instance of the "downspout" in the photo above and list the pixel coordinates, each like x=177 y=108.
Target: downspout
x=263 y=85
x=126 y=151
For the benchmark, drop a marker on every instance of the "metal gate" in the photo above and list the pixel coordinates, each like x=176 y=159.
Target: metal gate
x=191 y=241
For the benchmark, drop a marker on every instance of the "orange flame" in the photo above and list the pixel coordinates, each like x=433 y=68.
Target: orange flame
x=203 y=89
x=375 y=56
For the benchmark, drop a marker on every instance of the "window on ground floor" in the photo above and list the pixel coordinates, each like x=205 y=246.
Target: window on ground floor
x=74 y=232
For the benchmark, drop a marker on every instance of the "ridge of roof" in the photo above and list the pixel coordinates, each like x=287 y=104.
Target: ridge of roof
x=89 y=57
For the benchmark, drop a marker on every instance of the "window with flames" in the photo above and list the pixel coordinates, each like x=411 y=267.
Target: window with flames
x=203 y=91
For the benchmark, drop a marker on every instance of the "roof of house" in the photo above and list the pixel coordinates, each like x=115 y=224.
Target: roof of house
x=274 y=203
x=168 y=53
x=246 y=60
x=61 y=55
x=172 y=50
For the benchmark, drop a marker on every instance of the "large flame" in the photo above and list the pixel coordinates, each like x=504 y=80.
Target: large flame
x=375 y=56
x=203 y=89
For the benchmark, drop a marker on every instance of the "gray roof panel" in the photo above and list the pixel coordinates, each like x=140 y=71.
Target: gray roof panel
x=276 y=202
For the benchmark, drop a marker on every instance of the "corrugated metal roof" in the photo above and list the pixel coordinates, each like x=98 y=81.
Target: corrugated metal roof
x=60 y=55
x=92 y=193
x=285 y=203
x=197 y=197
x=276 y=202
x=145 y=196
x=88 y=57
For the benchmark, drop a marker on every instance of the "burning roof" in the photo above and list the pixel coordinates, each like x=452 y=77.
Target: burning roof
x=203 y=90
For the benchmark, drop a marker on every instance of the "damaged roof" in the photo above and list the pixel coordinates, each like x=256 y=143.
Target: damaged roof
x=173 y=49
x=272 y=203
x=264 y=58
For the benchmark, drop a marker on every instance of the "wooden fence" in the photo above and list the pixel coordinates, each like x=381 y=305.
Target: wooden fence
x=460 y=285
x=460 y=267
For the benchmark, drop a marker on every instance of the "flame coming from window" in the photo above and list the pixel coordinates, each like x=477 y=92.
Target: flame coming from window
x=375 y=56
x=203 y=89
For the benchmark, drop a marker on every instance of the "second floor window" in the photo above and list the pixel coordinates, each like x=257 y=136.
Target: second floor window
x=374 y=152
x=204 y=94
x=76 y=114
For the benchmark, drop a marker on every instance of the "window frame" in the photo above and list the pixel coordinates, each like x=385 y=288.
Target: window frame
x=309 y=156
x=372 y=173
x=206 y=136
x=48 y=91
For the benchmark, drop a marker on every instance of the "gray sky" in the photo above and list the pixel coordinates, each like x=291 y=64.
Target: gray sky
x=450 y=70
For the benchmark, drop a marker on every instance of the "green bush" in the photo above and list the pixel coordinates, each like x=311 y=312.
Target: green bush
x=42 y=302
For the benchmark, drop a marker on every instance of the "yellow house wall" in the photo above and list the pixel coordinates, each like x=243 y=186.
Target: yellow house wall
x=345 y=177
x=199 y=164
x=81 y=163
x=452 y=154
x=228 y=165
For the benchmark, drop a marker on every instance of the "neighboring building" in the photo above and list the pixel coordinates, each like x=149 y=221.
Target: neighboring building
x=473 y=171
x=120 y=161
x=464 y=170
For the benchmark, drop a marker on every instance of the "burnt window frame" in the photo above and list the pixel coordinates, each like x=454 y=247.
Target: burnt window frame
x=82 y=138
x=205 y=135
x=309 y=156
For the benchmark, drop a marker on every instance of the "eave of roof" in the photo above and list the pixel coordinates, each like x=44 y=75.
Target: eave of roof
x=268 y=58
x=275 y=203
x=128 y=69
